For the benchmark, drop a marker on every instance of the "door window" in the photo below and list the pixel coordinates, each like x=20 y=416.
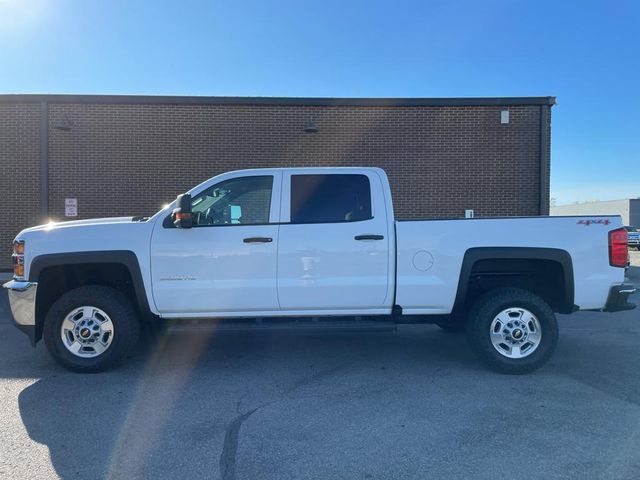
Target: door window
x=237 y=201
x=330 y=198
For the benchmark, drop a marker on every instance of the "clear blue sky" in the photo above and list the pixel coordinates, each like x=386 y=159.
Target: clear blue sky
x=585 y=53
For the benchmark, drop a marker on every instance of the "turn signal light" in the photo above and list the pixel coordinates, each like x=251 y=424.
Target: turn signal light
x=18 y=270
x=18 y=247
x=618 y=249
x=18 y=260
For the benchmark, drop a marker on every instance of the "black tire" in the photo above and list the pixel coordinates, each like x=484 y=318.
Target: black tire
x=126 y=327
x=482 y=314
x=453 y=327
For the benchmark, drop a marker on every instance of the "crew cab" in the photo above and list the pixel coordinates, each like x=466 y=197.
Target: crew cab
x=312 y=247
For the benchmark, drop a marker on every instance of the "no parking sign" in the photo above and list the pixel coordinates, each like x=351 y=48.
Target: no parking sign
x=70 y=207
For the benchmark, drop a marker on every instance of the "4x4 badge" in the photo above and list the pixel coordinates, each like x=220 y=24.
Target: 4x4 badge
x=602 y=221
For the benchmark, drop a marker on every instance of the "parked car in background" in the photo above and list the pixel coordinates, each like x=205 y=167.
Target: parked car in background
x=633 y=238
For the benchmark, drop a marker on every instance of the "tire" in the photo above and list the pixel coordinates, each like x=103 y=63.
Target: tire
x=498 y=310
x=108 y=309
x=453 y=327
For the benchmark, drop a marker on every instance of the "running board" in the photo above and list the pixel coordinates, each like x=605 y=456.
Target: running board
x=307 y=326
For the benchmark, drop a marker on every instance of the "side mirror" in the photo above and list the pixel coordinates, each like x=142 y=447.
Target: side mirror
x=181 y=215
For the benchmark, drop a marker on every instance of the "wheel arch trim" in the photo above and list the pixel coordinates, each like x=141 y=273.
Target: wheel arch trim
x=474 y=255
x=126 y=258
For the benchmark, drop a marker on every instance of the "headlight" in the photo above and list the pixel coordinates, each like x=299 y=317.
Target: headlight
x=18 y=260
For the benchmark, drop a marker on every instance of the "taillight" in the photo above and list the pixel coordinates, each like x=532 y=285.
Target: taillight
x=618 y=250
x=18 y=260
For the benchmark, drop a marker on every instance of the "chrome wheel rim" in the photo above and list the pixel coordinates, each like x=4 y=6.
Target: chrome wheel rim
x=87 y=332
x=515 y=333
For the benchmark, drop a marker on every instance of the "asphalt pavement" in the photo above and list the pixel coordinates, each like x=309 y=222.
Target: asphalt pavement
x=410 y=404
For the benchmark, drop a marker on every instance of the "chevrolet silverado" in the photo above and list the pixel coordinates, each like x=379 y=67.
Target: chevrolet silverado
x=312 y=248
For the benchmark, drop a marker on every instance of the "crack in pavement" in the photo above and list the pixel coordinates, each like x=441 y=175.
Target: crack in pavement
x=230 y=446
x=232 y=432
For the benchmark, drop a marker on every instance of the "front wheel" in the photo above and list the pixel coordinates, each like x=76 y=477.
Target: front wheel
x=512 y=330
x=91 y=328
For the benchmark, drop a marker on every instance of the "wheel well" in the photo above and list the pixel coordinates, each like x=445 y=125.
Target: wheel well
x=54 y=281
x=546 y=278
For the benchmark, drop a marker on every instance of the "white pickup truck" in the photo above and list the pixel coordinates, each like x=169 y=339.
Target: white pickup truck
x=312 y=247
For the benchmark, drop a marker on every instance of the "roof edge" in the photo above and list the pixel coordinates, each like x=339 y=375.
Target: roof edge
x=284 y=101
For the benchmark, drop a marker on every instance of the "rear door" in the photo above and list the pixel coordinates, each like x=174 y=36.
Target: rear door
x=333 y=251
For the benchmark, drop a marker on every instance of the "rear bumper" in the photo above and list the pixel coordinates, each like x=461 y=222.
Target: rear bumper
x=618 y=298
x=22 y=299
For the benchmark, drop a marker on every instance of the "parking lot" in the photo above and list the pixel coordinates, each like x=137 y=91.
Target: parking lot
x=410 y=404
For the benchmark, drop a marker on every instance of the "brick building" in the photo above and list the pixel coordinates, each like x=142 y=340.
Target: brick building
x=124 y=155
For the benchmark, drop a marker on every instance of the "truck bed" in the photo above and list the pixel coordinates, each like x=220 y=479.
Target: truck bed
x=431 y=255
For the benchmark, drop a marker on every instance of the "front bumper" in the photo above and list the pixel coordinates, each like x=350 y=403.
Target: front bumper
x=22 y=299
x=618 y=298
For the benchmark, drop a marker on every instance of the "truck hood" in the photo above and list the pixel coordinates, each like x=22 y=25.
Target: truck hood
x=97 y=235
x=78 y=223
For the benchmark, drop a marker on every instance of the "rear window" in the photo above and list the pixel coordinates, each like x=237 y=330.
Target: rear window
x=330 y=198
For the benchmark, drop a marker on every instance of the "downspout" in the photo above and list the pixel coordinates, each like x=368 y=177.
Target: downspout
x=544 y=167
x=44 y=161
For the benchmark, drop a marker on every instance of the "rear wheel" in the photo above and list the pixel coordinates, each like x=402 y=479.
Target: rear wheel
x=512 y=330
x=91 y=328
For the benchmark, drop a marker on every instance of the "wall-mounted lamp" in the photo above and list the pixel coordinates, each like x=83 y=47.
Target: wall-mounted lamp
x=62 y=125
x=310 y=127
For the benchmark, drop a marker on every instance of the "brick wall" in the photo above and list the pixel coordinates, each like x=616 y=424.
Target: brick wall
x=19 y=178
x=124 y=159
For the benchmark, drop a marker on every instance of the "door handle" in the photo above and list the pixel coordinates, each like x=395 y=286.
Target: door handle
x=258 y=240
x=369 y=237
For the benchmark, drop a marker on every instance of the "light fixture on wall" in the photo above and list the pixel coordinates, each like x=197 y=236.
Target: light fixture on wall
x=310 y=127
x=62 y=124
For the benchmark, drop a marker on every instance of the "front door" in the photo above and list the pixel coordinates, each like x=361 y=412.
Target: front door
x=227 y=262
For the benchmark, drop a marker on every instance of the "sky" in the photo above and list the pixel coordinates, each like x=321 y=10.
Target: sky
x=585 y=53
